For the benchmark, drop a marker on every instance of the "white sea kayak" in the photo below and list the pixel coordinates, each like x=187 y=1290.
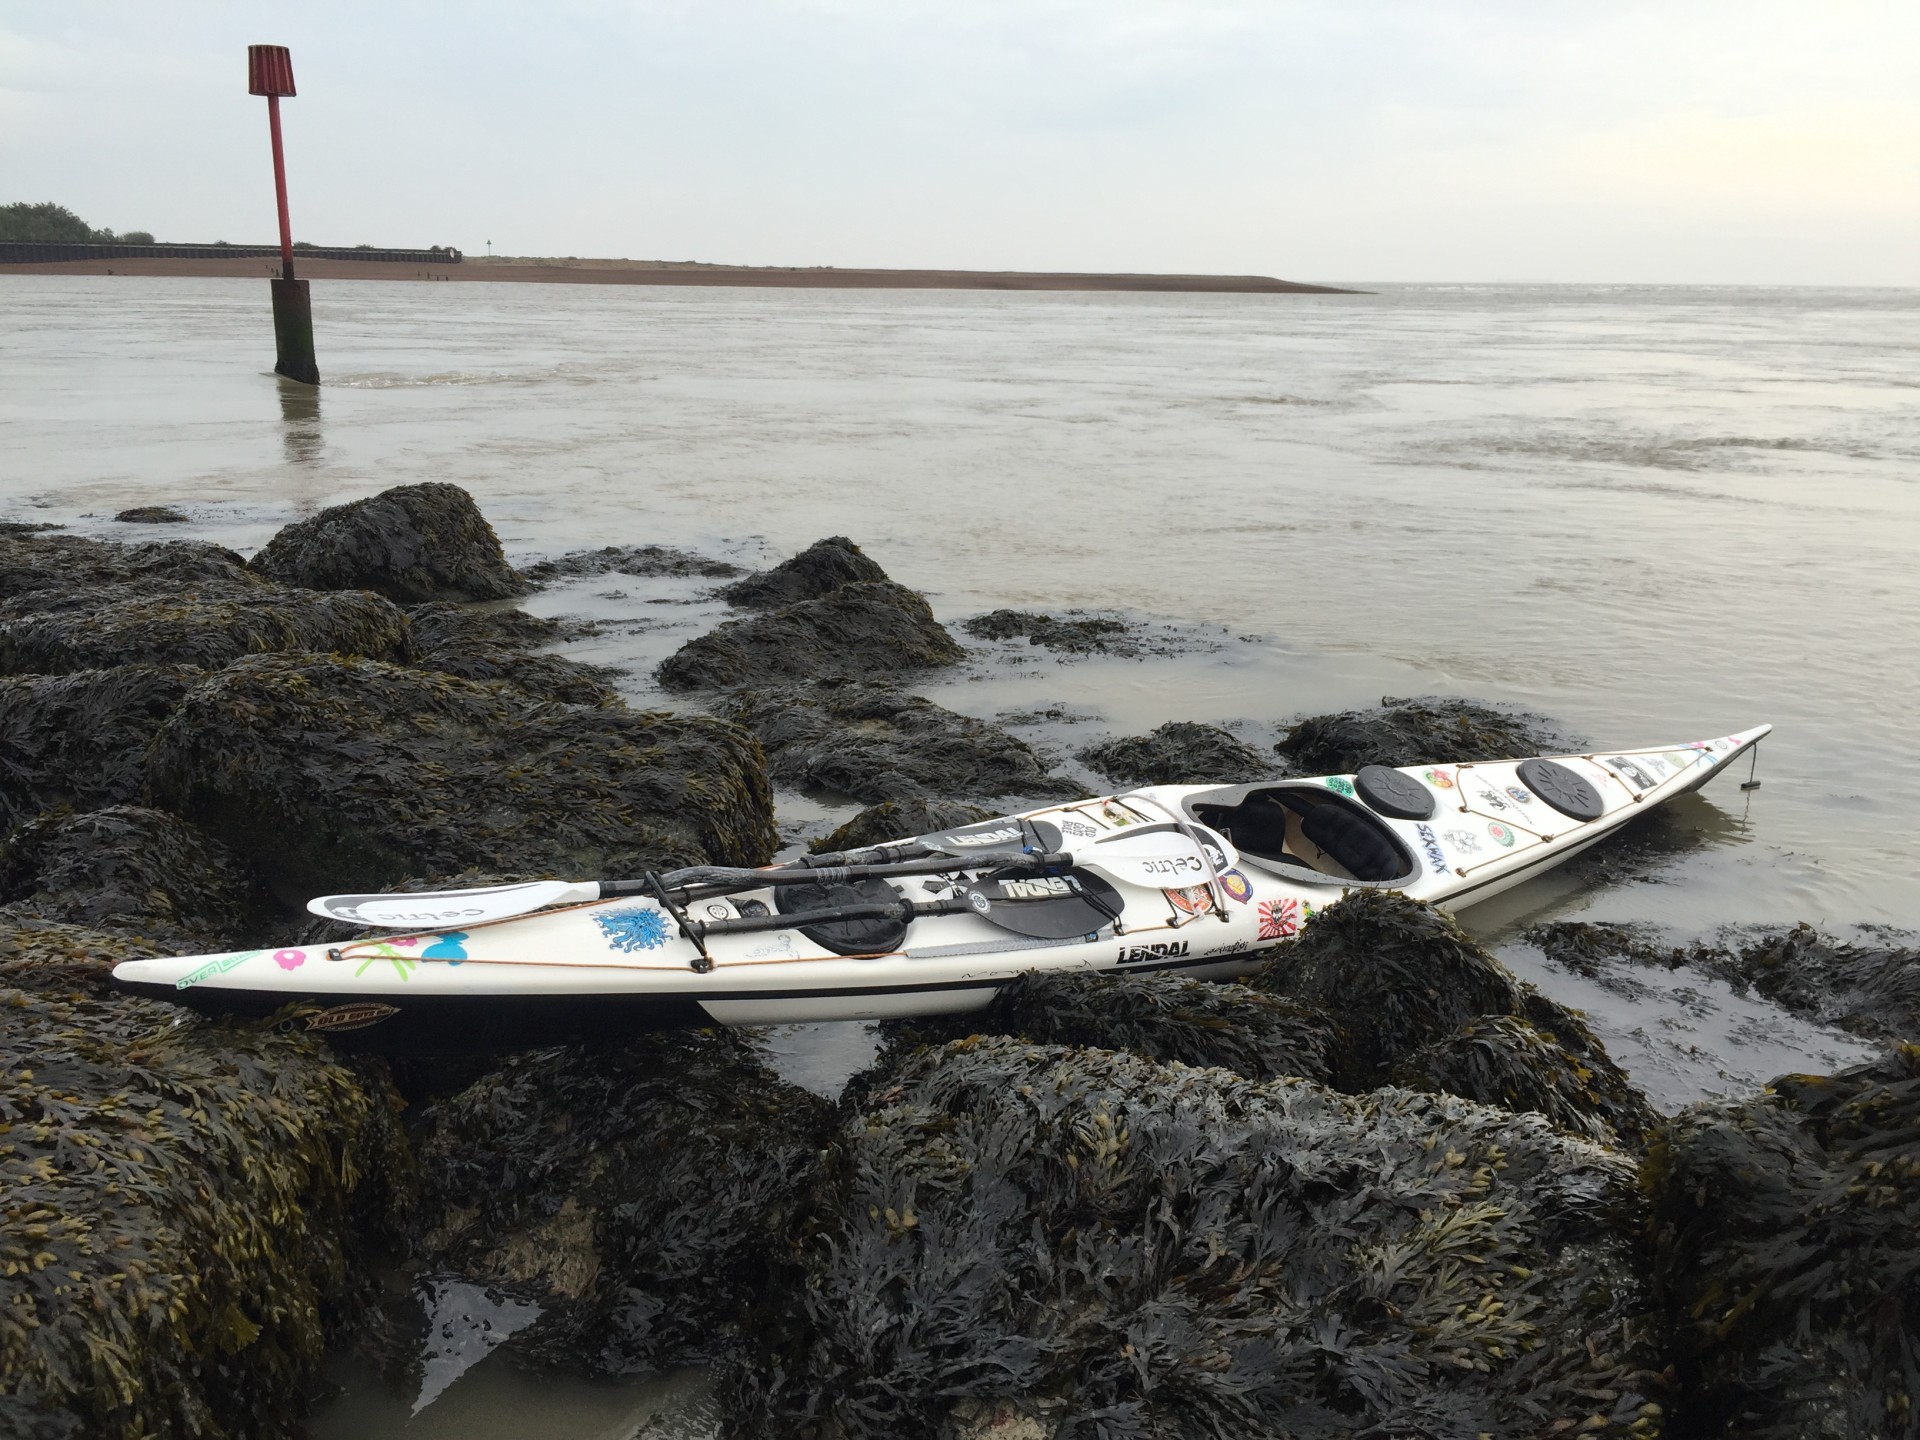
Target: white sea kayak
x=1206 y=880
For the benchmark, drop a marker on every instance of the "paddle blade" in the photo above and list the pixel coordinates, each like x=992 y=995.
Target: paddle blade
x=431 y=909
x=1045 y=907
x=996 y=839
x=1160 y=857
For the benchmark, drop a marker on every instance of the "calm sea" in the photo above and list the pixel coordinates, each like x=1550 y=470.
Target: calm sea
x=1652 y=514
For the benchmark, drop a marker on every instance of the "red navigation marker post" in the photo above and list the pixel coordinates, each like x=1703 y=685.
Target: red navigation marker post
x=270 y=73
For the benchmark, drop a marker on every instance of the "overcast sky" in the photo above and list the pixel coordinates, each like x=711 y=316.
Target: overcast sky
x=1678 y=140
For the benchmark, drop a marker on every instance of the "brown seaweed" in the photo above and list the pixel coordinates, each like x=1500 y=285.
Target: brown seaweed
x=409 y=543
x=818 y=570
x=874 y=628
x=81 y=739
x=1415 y=732
x=1181 y=753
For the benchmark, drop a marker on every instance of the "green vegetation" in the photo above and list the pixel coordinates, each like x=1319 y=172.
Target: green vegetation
x=51 y=224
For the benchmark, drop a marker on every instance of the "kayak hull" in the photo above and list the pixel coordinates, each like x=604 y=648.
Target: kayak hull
x=611 y=969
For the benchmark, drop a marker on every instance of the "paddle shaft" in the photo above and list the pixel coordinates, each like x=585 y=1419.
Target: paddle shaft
x=838 y=874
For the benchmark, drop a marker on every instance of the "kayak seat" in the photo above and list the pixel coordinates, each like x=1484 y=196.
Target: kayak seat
x=1354 y=842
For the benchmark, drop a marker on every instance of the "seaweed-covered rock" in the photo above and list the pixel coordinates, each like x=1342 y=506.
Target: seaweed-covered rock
x=637 y=1195
x=72 y=563
x=337 y=774
x=1162 y=1017
x=899 y=820
x=81 y=739
x=179 y=1200
x=1180 y=753
x=410 y=543
x=1170 y=1252
x=818 y=570
x=857 y=631
x=494 y=644
x=1414 y=732
x=642 y=560
x=1413 y=996
x=38 y=954
x=1074 y=636
x=1869 y=988
x=209 y=624
x=152 y=515
x=1784 y=1248
x=127 y=868
x=1508 y=1061
x=877 y=744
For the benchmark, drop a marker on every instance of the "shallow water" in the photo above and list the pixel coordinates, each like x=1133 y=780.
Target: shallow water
x=1652 y=514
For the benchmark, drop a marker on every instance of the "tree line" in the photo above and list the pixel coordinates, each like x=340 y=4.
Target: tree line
x=51 y=224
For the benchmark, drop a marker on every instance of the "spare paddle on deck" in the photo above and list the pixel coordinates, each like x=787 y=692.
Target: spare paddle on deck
x=1160 y=856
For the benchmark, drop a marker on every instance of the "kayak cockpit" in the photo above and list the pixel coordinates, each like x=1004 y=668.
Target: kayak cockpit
x=1305 y=831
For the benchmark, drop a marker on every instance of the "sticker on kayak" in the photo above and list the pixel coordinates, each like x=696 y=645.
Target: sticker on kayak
x=1239 y=889
x=351 y=1017
x=644 y=928
x=996 y=836
x=1189 y=903
x=219 y=965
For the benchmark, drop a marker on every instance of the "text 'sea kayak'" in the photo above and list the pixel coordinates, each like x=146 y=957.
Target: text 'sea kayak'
x=1205 y=880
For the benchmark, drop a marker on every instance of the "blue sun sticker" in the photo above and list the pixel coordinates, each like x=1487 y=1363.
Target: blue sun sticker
x=631 y=930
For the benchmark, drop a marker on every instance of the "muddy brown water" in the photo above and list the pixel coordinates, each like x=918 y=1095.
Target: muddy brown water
x=1651 y=514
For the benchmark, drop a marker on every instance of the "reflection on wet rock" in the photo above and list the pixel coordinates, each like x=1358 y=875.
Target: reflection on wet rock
x=877 y=744
x=1414 y=732
x=1181 y=753
x=637 y=1196
x=1784 y=1245
x=410 y=543
x=340 y=774
x=820 y=569
x=1870 y=987
x=857 y=631
x=1102 y=1245
x=181 y=1202
x=643 y=560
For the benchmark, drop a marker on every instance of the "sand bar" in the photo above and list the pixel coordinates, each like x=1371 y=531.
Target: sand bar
x=643 y=272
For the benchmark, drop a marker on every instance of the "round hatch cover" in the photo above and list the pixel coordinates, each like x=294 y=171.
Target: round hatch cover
x=1565 y=790
x=1397 y=796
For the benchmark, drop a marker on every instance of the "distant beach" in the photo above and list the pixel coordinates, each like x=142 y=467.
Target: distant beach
x=569 y=271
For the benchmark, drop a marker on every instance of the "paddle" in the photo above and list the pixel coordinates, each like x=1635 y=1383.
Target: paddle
x=1159 y=856
x=1051 y=907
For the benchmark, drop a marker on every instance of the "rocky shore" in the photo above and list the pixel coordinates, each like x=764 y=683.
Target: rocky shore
x=1383 y=1188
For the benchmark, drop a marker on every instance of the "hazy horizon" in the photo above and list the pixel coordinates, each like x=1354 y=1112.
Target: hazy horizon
x=1709 y=143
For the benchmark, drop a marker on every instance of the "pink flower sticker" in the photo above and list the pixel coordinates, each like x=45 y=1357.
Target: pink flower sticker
x=289 y=959
x=408 y=941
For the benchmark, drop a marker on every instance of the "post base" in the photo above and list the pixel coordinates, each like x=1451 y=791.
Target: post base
x=293 y=331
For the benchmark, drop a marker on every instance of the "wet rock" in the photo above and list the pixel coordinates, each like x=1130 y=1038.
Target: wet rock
x=28 y=527
x=410 y=543
x=1073 y=636
x=1414 y=732
x=131 y=869
x=1413 y=996
x=1181 y=753
x=477 y=644
x=819 y=570
x=71 y=563
x=643 y=560
x=1783 y=1236
x=638 y=1196
x=81 y=739
x=1162 y=1017
x=336 y=774
x=180 y=1202
x=1868 y=988
x=857 y=631
x=1178 y=1252
x=899 y=820
x=152 y=515
x=876 y=744
x=208 y=624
